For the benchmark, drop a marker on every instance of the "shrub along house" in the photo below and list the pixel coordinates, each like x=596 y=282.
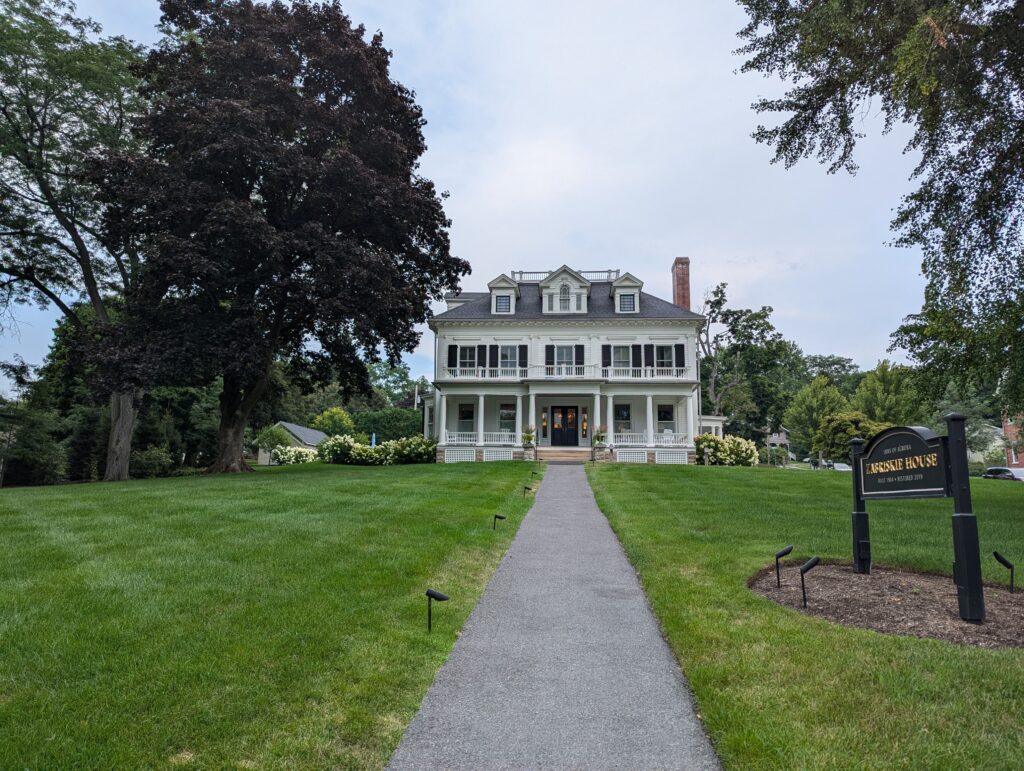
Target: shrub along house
x=567 y=351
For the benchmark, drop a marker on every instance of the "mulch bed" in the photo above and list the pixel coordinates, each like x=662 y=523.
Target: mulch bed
x=897 y=602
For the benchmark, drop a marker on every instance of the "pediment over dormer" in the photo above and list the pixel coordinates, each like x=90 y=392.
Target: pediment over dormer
x=564 y=291
x=564 y=274
x=626 y=280
x=504 y=282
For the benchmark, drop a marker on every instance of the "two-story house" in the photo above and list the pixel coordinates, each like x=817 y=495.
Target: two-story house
x=568 y=352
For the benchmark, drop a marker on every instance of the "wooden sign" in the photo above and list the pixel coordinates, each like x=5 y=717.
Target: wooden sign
x=904 y=462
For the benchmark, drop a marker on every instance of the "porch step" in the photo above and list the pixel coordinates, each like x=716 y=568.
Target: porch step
x=563 y=454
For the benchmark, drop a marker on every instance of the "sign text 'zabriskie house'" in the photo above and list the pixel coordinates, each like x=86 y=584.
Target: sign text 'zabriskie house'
x=568 y=352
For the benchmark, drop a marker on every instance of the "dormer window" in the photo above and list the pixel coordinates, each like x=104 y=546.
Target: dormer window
x=627 y=303
x=504 y=293
x=503 y=303
x=563 y=298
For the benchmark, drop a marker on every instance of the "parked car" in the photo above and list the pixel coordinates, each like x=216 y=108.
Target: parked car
x=842 y=467
x=1001 y=472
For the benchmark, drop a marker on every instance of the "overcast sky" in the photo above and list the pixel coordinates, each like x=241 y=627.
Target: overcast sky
x=617 y=135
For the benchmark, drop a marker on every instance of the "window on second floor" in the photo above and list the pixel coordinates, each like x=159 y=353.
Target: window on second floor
x=507 y=357
x=467 y=357
x=663 y=356
x=620 y=356
x=564 y=355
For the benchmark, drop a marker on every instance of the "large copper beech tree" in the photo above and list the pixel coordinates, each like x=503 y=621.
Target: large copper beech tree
x=278 y=203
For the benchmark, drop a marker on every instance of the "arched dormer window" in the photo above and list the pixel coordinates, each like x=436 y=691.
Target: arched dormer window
x=563 y=297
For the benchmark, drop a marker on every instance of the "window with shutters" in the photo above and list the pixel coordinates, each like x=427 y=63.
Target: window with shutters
x=503 y=303
x=564 y=358
x=467 y=357
x=465 y=422
x=620 y=356
x=663 y=356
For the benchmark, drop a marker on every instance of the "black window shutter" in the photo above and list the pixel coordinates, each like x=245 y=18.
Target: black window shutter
x=680 y=355
x=606 y=356
x=549 y=355
x=493 y=357
x=636 y=355
x=481 y=356
x=578 y=355
x=648 y=355
x=453 y=355
x=522 y=356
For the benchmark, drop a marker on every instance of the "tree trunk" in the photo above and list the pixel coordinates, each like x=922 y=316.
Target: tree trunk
x=122 y=425
x=236 y=404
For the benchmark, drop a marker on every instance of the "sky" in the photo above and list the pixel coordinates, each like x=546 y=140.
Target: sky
x=617 y=135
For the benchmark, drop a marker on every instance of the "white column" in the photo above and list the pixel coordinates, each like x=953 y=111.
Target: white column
x=532 y=418
x=682 y=423
x=480 y=422
x=595 y=419
x=650 y=420
x=611 y=418
x=442 y=435
x=694 y=417
x=518 y=440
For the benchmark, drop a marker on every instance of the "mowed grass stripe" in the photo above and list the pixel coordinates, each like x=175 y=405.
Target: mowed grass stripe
x=780 y=689
x=268 y=619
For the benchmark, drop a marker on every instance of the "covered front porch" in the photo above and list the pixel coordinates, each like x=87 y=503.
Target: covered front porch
x=563 y=416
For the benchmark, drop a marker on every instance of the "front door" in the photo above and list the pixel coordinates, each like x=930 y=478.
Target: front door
x=563 y=427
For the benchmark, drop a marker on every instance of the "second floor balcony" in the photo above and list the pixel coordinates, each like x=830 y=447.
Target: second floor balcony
x=565 y=372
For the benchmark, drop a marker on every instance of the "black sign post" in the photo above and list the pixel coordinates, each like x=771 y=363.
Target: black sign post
x=915 y=462
x=861 y=533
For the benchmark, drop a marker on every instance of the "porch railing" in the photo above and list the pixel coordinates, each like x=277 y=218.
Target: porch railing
x=564 y=371
x=506 y=438
x=460 y=437
x=671 y=440
x=629 y=439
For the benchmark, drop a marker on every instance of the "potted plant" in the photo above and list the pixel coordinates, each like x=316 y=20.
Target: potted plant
x=529 y=433
x=600 y=433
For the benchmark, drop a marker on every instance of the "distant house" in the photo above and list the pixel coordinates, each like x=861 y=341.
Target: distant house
x=301 y=436
x=1014 y=451
x=780 y=439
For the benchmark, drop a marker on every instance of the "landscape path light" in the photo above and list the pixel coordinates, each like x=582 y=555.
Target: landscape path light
x=1006 y=564
x=433 y=594
x=803 y=569
x=779 y=555
x=494 y=524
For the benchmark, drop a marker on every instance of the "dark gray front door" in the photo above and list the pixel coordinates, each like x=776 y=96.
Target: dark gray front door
x=563 y=427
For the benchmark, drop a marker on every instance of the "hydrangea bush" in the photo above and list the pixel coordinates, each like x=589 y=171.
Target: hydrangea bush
x=725 y=451
x=346 y=450
x=289 y=456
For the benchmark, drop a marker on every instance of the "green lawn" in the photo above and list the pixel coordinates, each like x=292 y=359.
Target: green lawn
x=780 y=689
x=268 y=619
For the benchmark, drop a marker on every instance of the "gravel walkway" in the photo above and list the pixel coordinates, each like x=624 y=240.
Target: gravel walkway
x=561 y=664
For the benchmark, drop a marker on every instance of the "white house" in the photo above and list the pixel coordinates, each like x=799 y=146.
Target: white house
x=567 y=351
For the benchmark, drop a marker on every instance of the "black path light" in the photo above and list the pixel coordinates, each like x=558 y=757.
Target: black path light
x=803 y=569
x=1006 y=564
x=494 y=524
x=779 y=555
x=433 y=594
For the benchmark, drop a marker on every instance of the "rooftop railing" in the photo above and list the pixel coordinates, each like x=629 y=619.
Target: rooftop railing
x=539 y=275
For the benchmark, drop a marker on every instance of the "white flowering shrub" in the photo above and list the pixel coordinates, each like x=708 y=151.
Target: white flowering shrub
x=740 y=451
x=289 y=456
x=710 y=449
x=336 y=449
x=345 y=449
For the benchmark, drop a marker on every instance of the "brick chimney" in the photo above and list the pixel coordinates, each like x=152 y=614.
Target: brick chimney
x=681 y=282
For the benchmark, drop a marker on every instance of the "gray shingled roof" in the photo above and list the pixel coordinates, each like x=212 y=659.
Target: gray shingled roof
x=600 y=306
x=304 y=434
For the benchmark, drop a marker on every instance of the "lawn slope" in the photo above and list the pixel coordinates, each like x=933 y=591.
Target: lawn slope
x=780 y=689
x=268 y=619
